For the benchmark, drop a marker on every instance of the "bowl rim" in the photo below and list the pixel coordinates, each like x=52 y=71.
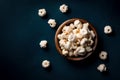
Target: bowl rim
x=59 y=31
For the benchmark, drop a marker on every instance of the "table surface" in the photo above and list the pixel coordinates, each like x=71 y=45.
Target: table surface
x=21 y=30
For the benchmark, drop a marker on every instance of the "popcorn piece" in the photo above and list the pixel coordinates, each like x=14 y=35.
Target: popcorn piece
x=80 y=51
x=45 y=64
x=102 y=68
x=83 y=32
x=83 y=41
x=88 y=49
x=63 y=8
x=92 y=34
x=103 y=55
x=72 y=26
x=43 y=44
x=67 y=29
x=64 y=52
x=67 y=45
x=76 y=23
x=107 y=29
x=41 y=12
x=52 y=23
x=85 y=25
x=79 y=26
x=62 y=42
x=90 y=42
x=71 y=37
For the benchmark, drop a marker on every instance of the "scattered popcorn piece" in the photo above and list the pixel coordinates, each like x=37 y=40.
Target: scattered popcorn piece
x=43 y=44
x=63 y=8
x=101 y=68
x=83 y=41
x=64 y=52
x=45 y=64
x=107 y=29
x=41 y=12
x=52 y=23
x=103 y=55
x=88 y=49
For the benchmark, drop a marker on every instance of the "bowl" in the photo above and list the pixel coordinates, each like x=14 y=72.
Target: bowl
x=59 y=30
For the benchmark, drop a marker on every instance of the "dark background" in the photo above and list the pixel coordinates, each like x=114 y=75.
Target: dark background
x=21 y=30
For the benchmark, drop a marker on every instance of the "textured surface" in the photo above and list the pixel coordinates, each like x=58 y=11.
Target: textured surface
x=21 y=30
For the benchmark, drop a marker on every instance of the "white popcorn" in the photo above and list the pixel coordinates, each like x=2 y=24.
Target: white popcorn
x=79 y=26
x=41 y=12
x=63 y=8
x=45 y=64
x=64 y=52
x=78 y=35
x=85 y=25
x=90 y=42
x=107 y=29
x=62 y=42
x=103 y=55
x=43 y=44
x=83 y=32
x=67 y=29
x=92 y=34
x=52 y=23
x=76 y=23
x=75 y=31
x=83 y=41
x=72 y=26
x=102 y=68
x=67 y=45
x=80 y=51
x=71 y=37
x=76 y=39
x=88 y=49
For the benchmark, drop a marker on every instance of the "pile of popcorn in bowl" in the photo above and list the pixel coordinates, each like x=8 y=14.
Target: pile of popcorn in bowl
x=76 y=38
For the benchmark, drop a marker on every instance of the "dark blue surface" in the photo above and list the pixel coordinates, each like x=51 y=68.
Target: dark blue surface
x=21 y=30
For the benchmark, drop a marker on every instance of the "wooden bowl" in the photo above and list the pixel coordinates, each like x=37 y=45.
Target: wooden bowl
x=59 y=30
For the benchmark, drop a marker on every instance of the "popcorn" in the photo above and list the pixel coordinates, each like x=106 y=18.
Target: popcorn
x=76 y=23
x=83 y=41
x=90 y=42
x=71 y=37
x=92 y=34
x=42 y=12
x=88 y=49
x=80 y=51
x=85 y=25
x=52 y=23
x=107 y=29
x=64 y=52
x=67 y=29
x=76 y=39
x=67 y=45
x=43 y=44
x=102 y=68
x=103 y=55
x=63 y=8
x=83 y=32
x=45 y=64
